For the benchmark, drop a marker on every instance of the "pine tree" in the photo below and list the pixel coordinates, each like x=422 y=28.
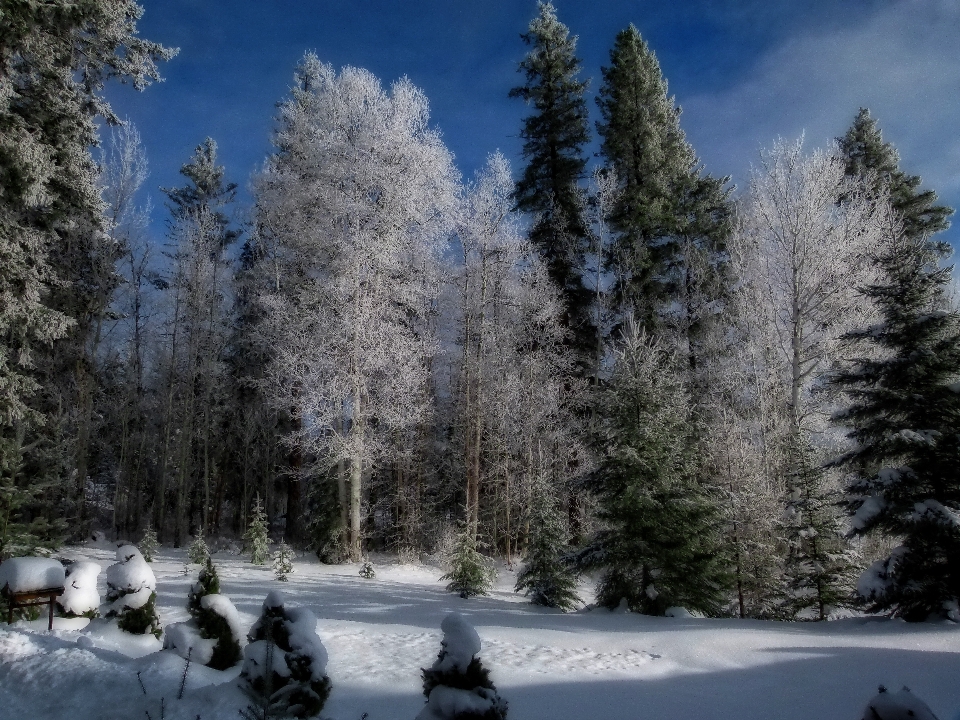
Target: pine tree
x=904 y=407
x=554 y=136
x=255 y=538
x=819 y=571
x=198 y=552
x=284 y=669
x=470 y=572
x=148 y=543
x=282 y=561
x=667 y=213
x=458 y=686
x=208 y=583
x=54 y=62
x=661 y=545
x=546 y=577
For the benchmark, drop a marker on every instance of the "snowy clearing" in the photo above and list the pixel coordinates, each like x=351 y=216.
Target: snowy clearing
x=549 y=666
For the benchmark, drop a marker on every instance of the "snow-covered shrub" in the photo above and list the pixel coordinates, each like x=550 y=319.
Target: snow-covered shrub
x=902 y=705
x=198 y=552
x=80 y=595
x=284 y=668
x=470 y=572
x=213 y=638
x=131 y=593
x=255 y=538
x=367 y=572
x=282 y=562
x=457 y=686
x=149 y=543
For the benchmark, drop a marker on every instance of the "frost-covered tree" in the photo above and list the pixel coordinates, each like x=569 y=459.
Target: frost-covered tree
x=148 y=543
x=255 y=538
x=284 y=667
x=282 y=561
x=54 y=62
x=470 y=572
x=198 y=553
x=554 y=135
x=661 y=543
x=356 y=202
x=457 y=685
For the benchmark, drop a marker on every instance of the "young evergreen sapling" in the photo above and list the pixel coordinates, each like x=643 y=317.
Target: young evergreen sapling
x=282 y=561
x=198 y=552
x=149 y=543
x=367 y=572
x=470 y=572
x=255 y=538
x=457 y=686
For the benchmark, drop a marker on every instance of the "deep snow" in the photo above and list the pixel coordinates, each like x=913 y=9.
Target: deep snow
x=547 y=665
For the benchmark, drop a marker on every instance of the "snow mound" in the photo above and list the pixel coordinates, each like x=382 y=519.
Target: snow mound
x=274 y=599
x=184 y=639
x=29 y=574
x=902 y=705
x=222 y=606
x=460 y=641
x=80 y=590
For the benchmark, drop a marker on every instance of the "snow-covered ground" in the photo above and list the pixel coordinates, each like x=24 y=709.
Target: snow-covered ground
x=589 y=665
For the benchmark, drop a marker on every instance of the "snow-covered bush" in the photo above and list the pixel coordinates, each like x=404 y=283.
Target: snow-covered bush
x=255 y=538
x=213 y=638
x=198 y=552
x=367 y=572
x=80 y=595
x=284 y=668
x=149 y=543
x=470 y=572
x=131 y=593
x=457 y=686
x=282 y=562
x=902 y=705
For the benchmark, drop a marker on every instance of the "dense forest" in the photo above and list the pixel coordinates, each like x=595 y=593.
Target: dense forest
x=739 y=402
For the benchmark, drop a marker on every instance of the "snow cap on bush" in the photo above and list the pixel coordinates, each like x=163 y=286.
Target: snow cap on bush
x=902 y=705
x=80 y=588
x=130 y=581
x=460 y=641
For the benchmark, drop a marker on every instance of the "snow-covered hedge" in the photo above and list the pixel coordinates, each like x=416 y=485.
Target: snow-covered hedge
x=131 y=593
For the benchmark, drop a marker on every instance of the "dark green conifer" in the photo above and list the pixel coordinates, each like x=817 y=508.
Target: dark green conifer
x=470 y=572
x=554 y=137
x=904 y=398
x=661 y=546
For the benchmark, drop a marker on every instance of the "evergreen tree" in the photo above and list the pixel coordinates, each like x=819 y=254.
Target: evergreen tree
x=457 y=685
x=255 y=538
x=667 y=213
x=208 y=583
x=54 y=61
x=905 y=411
x=546 y=577
x=470 y=572
x=819 y=572
x=282 y=561
x=148 y=543
x=661 y=545
x=904 y=408
x=868 y=156
x=198 y=552
x=554 y=136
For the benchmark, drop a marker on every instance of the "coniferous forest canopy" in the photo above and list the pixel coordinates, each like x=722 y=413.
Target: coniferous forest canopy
x=741 y=401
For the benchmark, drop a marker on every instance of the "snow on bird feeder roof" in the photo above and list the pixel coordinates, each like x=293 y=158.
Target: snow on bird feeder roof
x=31 y=574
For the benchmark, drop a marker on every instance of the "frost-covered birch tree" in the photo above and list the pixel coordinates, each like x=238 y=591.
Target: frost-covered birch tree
x=357 y=200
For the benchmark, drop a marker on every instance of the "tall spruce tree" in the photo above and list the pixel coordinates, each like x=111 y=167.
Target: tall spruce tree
x=554 y=136
x=904 y=401
x=661 y=547
x=54 y=61
x=671 y=221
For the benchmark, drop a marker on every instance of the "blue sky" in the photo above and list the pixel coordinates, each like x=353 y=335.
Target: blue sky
x=744 y=71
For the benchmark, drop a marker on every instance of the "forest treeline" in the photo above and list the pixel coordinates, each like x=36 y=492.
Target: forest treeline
x=736 y=403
